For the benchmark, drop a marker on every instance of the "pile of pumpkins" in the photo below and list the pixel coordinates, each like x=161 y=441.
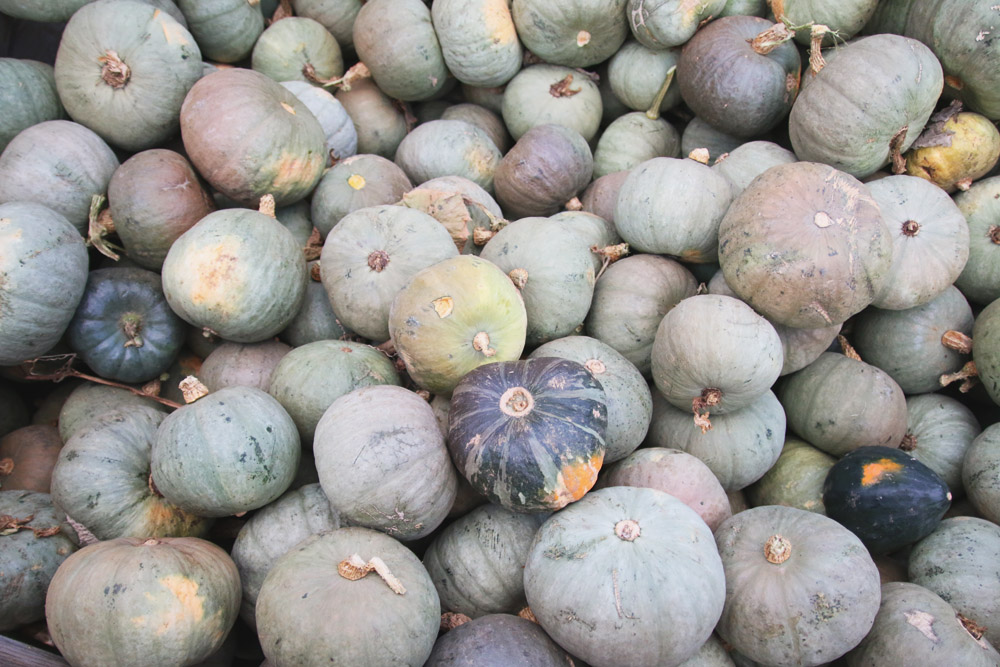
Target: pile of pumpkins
x=479 y=332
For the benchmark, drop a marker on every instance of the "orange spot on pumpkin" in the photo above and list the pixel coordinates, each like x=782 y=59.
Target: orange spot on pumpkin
x=576 y=478
x=872 y=473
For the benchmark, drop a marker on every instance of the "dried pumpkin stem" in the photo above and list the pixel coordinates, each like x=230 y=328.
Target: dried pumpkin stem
x=357 y=72
x=131 y=326
x=847 y=348
x=771 y=39
x=99 y=227
x=482 y=236
x=6 y=466
x=701 y=405
x=314 y=246
x=517 y=402
x=192 y=389
x=519 y=277
x=994 y=234
x=562 y=88
x=573 y=204
x=627 y=530
x=777 y=549
x=908 y=443
x=958 y=341
x=355 y=568
x=653 y=112
x=967 y=374
x=452 y=619
x=527 y=615
x=114 y=71
x=816 y=60
x=977 y=631
x=481 y=343
x=896 y=150
x=266 y=205
x=66 y=370
x=378 y=260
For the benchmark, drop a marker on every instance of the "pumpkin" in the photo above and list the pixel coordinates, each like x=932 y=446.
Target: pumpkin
x=957 y=561
x=630 y=300
x=298 y=50
x=356 y=182
x=980 y=278
x=123 y=70
x=740 y=446
x=176 y=599
x=800 y=588
x=31 y=96
x=979 y=473
x=317 y=605
x=337 y=17
x=224 y=29
x=661 y=24
x=748 y=161
x=631 y=139
x=744 y=8
x=542 y=94
x=58 y=10
x=123 y=328
x=248 y=364
x=466 y=210
x=89 y=401
x=34 y=165
x=733 y=83
x=315 y=319
x=546 y=168
x=28 y=454
x=386 y=35
x=154 y=197
x=341 y=135
x=796 y=478
x=857 y=129
x=483 y=118
x=955 y=149
x=885 y=496
x=449 y=148
x=577 y=35
x=805 y=245
x=717 y=372
x=249 y=136
x=477 y=561
x=889 y=16
x=686 y=227
x=380 y=124
x=232 y=451
x=237 y=272
x=641 y=78
x=272 y=531
x=453 y=317
x=44 y=269
x=529 y=435
x=630 y=402
x=838 y=404
x=35 y=540
x=939 y=431
x=915 y=625
x=497 y=639
x=986 y=349
x=478 y=40
x=553 y=271
x=700 y=135
x=102 y=480
x=661 y=588
x=907 y=344
x=844 y=20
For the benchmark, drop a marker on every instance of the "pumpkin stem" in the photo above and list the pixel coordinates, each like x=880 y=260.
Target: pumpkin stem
x=896 y=150
x=700 y=405
x=357 y=72
x=378 y=260
x=562 y=88
x=700 y=155
x=994 y=234
x=517 y=402
x=6 y=466
x=582 y=38
x=314 y=246
x=771 y=39
x=609 y=254
x=909 y=443
x=911 y=228
x=283 y=11
x=266 y=205
x=355 y=568
x=481 y=236
x=627 y=530
x=114 y=71
x=131 y=325
x=958 y=341
x=151 y=542
x=954 y=82
x=192 y=389
x=527 y=615
x=847 y=348
x=967 y=374
x=816 y=60
x=152 y=487
x=451 y=620
x=595 y=366
x=519 y=277
x=653 y=112
x=777 y=549
x=481 y=343
x=99 y=226
x=977 y=631
x=573 y=204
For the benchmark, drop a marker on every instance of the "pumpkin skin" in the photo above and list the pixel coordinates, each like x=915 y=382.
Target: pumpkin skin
x=662 y=581
x=462 y=207
x=637 y=74
x=33 y=450
x=449 y=148
x=453 y=317
x=154 y=197
x=732 y=86
x=55 y=11
x=379 y=124
x=699 y=134
x=33 y=164
x=272 y=531
x=661 y=24
x=808 y=609
x=980 y=278
x=577 y=35
x=184 y=590
x=286 y=52
x=748 y=161
x=249 y=365
x=851 y=127
x=212 y=467
x=237 y=272
x=477 y=561
x=341 y=135
x=838 y=404
x=478 y=40
x=315 y=319
x=308 y=615
x=939 y=431
x=383 y=463
x=31 y=96
x=89 y=401
x=102 y=480
x=979 y=473
x=497 y=640
x=123 y=328
x=370 y=255
x=542 y=94
x=225 y=29
x=30 y=560
x=338 y=17
x=986 y=349
x=529 y=435
x=631 y=139
x=885 y=496
x=132 y=106
x=357 y=182
x=483 y=118
x=847 y=18
x=249 y=136
x=805 y=245
x=796 y=478
x=957 y=561
x=44 y=270
x=386 y=35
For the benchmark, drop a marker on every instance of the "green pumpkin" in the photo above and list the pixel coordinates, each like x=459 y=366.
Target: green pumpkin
x=979 y=473
x=232 y=451
x=700 y=135
x=483 y=118
x=225 y=29
x=307 y=613
x=980 y=278
x=315 y=319
x=748 y=161
x=939 y=431
x=297 y=48
x=357 y=182
x=55 y=11
x=124 y=69
x=478 y=40
x=30 y=559
x=380 y=124
x=631 y=139
x=453 y=317
x=237 y=272
x=543 y=93
x=89 y=401
x=845 y=18
x=44 y=269
x=31 y=96
x=854 y=128
x=986 y=349
x=662 y=588
x=638 y=75
x=577 y=35
x=341 y=135
x=180 y=597
x=796 y=478
x=449 y=148
x=246 y=364
x=660 y=24
x=102 y=480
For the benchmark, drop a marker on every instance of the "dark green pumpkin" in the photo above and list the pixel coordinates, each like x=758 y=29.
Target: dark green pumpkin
x=885 y=497
x=123 y=328
x=225 y=29
x=529 y=434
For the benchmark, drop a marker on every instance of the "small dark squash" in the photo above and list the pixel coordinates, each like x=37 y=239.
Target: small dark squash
x=885 y=497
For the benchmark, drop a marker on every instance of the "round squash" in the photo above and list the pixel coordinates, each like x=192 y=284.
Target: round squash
x=54 y=11
x=315 y=319
x=542 y=94
x=380 y=123
x=638 y=76
x=224 y=29
x=632 y=139
x=449 y=148
x=89 y=401
x=337 y=16
x=497 y=639
x=980 y=278
x=31 y=96
x=341 y=135
x=986 y=349
x=357 y=182
x=796 y=478
x=845 y=18
x=748 y=161
x=575 y=35
x=954 y=149
x=300 y=49
x=478 y=40
x=250 y=364
x=980 y=475
x=939 y=431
